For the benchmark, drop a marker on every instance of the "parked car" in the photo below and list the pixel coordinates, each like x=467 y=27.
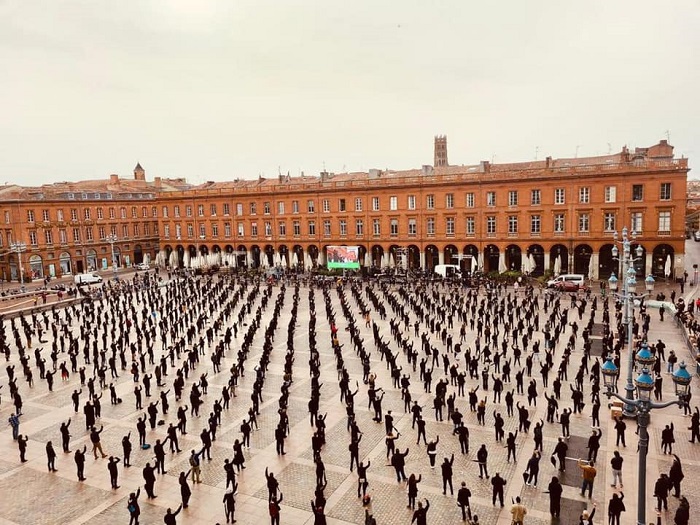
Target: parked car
x=142 y=266
x=577 y=278
x=570 y=286
x=87 y=278
x=696 y=236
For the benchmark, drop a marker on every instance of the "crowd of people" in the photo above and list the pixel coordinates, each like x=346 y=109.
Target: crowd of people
x=475 y=356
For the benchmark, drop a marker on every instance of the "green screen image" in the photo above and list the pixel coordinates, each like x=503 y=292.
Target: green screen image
x=343 y=257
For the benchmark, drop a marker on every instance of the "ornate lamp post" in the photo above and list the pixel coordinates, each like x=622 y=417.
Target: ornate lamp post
x=111 y=239
x=19 y=247
x=630 y=298
x=644 y=385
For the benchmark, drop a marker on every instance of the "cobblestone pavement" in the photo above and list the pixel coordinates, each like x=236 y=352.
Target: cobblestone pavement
x=31 y=495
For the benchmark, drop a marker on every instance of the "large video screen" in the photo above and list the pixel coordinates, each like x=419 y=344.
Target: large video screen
x=343 y=257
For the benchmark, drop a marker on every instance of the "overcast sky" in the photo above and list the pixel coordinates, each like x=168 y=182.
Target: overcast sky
x=214 y=90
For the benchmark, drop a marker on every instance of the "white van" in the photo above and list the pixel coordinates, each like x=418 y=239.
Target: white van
x=87 y=278
x=577 y=278
x=447 y=270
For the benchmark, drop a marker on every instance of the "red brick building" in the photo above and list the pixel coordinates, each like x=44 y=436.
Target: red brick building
x=531 y=216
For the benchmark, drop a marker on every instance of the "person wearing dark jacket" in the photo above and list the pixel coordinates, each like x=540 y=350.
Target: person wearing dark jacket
x=554 y=489
x=446 y=468
x=51 y=457
x=420 y=514
x=682 y=516
x=675 y=476
x=661 y=488
x=482 y=456
x=412 y=490
x=533 y=469
x=497 y=483
x=463 y=495
x=587 y=516
x=615 y=507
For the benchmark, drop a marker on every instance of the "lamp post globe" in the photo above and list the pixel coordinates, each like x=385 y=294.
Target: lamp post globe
x=644 y=384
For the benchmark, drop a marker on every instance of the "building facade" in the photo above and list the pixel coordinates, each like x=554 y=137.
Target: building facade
x=553 y=215
x=66 y=228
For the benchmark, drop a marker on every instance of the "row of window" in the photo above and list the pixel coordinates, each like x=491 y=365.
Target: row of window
x=87 y=214
x=559 y=226
x=584 y=197
x=144 y=229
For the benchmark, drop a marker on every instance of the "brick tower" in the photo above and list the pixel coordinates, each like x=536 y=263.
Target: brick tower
x=440 y=151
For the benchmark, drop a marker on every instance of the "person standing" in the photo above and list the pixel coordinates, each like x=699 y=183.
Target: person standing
x=482 y=456
x=446 y=468
x=412 y=490
x=620 y=427
x=497 y=484
x=616 y=464
x=14 y=423
x=533 y=469
x=95 y=439
x=170 y=516
x=682 y=516
x=274 y=509
x=51 y=457
x=134 y=508
x=126 y=448
x=589 y=472
x=667 y=439
x=695 y=426
x=615 y=508
x=113 y=471
x=79 y=459
x=661 y=488
x=675 y=476
x=463 y=495
x=420 y=514
x=185 y=491
x=554 y=489
x=149 y=478
x=230 y=503
x=518 y=511
x=65 y=436
x=22 y=443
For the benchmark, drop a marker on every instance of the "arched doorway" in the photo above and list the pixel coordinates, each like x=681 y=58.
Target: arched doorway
x=242 y=256
x=91 y=258
x=377 y=256
x=283 y=252
x=413 y=257
x=451 y=252
x=313 y=255
x=65 y=263
x=204 y=250
x=470 y=264
x=432 y=257
x=255 y=256
x=514 y=258
x=536 y=255
x=582 y=259
x=662 y=261
x=192 y=250
x=138 y=254
x=36 y=266
x=298 y=256
x=491 y=256
x=559 y=259
x=14 y=268
x=269 y=255
x=180 y=251
x=606 y=264
x=361 y=253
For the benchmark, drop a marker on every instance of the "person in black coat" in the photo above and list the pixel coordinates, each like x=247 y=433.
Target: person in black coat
x=134 y=508
x=65 y=436
x=463 y=495
x=554 y=489
x=185 y=490
x=126 y=448
x=113 y=471
x=149 y=477
x=682 y=516
x=661 y=488
x=497 y=484
x=446 y=468
x=79 y=458
x=675 y=476
x=51 y=457
x=615 y=508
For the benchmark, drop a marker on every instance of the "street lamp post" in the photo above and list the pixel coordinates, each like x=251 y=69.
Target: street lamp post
x=111 y=239
x=643 y=405
x=19 y=247
x=629 y=297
